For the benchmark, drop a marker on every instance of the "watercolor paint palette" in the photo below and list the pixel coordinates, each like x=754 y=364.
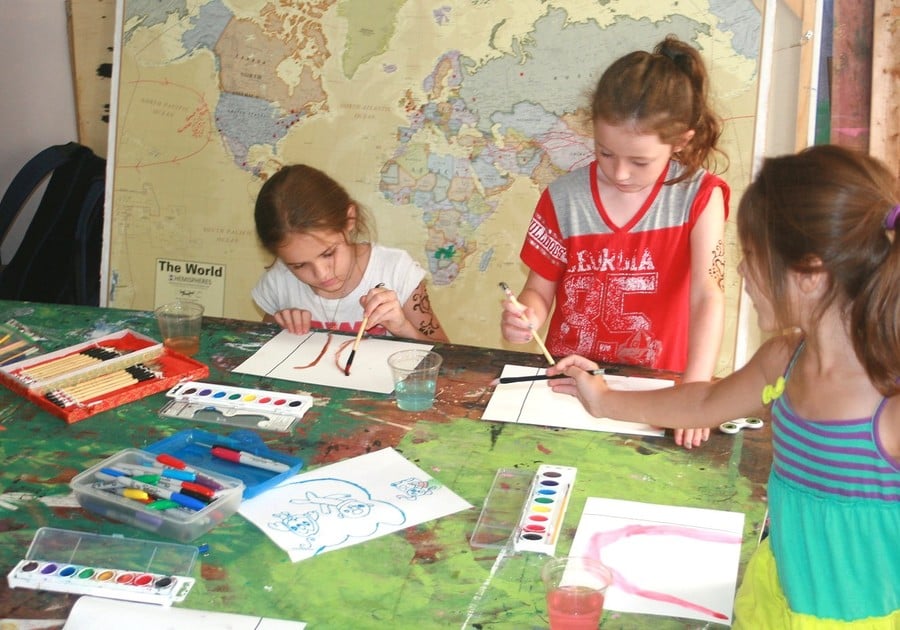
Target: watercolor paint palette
x=502 y=509
x=545 y=509
x=114 y=567
x=229 y=399
x=525 y=508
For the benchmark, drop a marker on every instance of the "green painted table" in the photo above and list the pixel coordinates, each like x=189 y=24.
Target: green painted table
x=423 y=577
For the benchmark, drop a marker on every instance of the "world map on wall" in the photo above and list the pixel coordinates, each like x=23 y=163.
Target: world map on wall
x=444 y=119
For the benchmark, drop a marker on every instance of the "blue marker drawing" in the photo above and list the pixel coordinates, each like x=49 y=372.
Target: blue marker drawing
x=331 y=511
x=349 y=502
x=413 y=488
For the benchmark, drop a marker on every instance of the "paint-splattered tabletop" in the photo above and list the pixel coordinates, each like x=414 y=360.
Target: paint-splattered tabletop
x=427 y=576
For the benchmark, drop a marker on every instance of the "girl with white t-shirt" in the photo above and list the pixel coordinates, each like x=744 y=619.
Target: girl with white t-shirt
x=326 y=275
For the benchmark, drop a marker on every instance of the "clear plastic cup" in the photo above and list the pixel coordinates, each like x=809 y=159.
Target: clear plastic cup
x=179 y=325
x=576 y=589
x=415 y=375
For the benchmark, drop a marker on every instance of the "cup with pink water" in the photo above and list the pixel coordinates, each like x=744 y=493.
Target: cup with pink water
x=576 y=587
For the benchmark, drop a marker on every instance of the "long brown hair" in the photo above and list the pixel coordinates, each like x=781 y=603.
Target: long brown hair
x=665 y=92
x=824 y=209
x=300 y=199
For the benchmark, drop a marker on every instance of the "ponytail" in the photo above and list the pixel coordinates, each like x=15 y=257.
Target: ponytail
x=834 y=210
x=666 y=93
x=875 y=320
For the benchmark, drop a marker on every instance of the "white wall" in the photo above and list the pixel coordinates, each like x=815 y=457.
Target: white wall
x=37 y=98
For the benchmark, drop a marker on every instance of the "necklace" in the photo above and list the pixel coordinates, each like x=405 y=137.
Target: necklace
x=330 y=324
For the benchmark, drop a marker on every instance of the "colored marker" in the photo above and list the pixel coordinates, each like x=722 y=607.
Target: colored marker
x=173 y=462
x=129 y=493
x=163 y=493
x=247 y=459
x=204 y=493
x=162 y=505
x=136 y=469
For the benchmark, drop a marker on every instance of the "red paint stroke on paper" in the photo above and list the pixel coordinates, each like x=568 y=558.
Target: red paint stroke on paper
x=604 y=539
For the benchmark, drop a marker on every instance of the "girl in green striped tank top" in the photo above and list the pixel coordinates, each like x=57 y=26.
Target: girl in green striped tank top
x=822 y=266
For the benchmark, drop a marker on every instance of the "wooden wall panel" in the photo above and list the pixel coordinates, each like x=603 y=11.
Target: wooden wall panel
x=91 y=32
x=851 y=77
x=884 y=142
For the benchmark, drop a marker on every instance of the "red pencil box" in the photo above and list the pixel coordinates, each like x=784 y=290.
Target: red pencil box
x=80 y=381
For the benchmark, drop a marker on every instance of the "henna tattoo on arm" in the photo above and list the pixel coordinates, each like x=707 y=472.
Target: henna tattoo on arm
x=717 y=266
x=428 y=324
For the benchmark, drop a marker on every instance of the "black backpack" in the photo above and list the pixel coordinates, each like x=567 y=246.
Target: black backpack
x=58 y=260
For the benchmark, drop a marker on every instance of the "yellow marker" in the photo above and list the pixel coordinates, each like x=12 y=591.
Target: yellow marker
x=134 y=493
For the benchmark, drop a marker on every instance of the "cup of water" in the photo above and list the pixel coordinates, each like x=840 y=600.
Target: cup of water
x=576 y=590
x=179 y=324
x=415 y=378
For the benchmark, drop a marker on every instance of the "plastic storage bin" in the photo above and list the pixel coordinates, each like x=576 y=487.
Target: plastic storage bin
x=192 y=447
x=180 y=523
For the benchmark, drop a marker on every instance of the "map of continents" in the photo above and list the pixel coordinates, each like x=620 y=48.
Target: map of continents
x=445 y=119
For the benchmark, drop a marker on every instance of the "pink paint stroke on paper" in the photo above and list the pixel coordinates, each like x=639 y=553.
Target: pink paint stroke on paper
x=604 y=539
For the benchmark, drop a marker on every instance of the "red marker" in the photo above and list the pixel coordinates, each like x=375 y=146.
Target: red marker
x=189 y=486
x=248 y=459
x=173 y=462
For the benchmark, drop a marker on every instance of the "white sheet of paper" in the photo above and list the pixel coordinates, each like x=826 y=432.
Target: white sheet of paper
x=666 y=560
x=535 y=403
x=88 y=611
x=349 y=502
x=280 y=356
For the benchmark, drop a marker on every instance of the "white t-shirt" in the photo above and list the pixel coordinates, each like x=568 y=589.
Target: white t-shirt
x=279 y=289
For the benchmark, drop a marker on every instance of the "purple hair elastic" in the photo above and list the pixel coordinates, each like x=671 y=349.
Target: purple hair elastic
x=890 y=221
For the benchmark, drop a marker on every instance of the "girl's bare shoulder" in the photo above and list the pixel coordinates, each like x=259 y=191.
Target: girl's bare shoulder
x=774 y=354
x=889 y=428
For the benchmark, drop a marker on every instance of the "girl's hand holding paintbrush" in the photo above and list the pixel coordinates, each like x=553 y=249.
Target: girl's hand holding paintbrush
x=518 y=322
x=364 y=301
x=515 y=323
x=381 y=307
x=585 y=382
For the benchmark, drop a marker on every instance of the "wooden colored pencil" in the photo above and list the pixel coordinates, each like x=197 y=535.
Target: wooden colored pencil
x=15 y=345
x=24 y=353
x=60 y=366
x=70 y=363
x=94 y=389
x=81 y=392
